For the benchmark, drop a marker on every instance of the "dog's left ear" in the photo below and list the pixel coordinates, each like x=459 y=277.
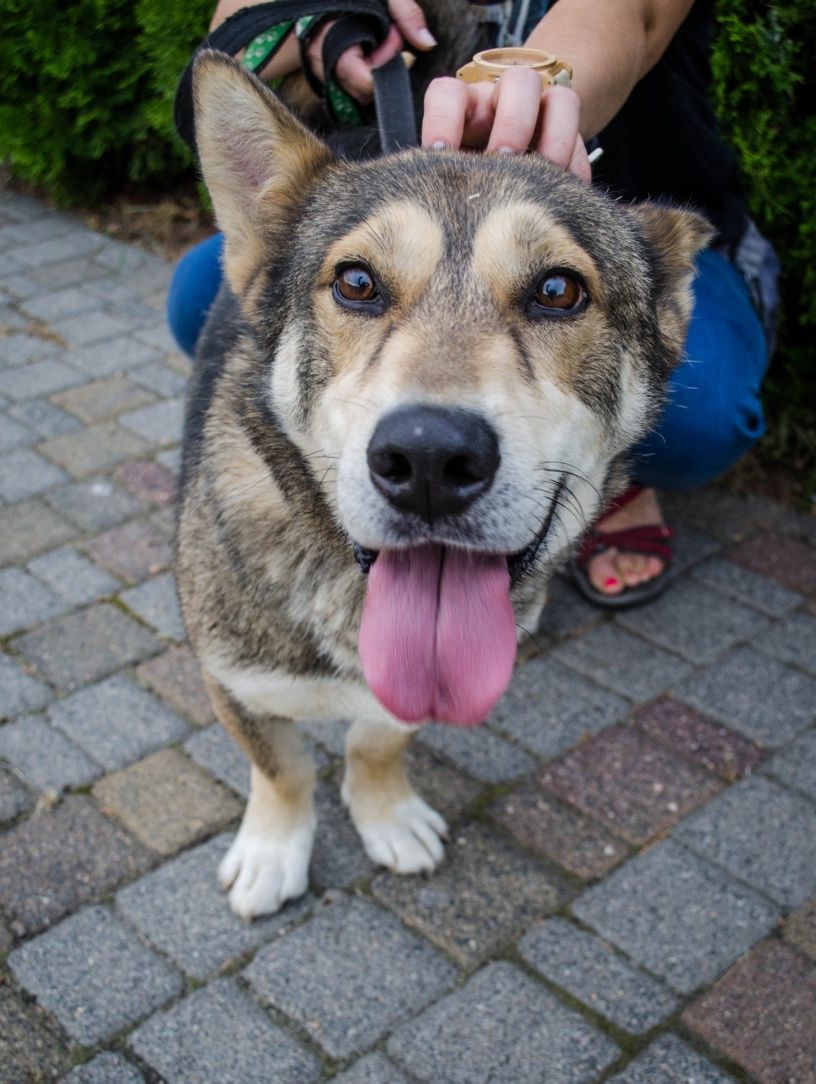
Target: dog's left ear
x=674 y=237
x=257 y=159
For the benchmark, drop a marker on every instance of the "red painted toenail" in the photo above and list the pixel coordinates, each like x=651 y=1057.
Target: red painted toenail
x=611 y=582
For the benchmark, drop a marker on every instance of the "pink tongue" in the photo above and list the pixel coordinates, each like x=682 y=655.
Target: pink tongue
x=438 y=635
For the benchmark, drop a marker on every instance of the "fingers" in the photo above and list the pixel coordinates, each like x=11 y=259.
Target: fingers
x=386 y=49
x=446 y=109
x=354 y=74
x=517 y=98
x=579 y=163
x=560 y=116
x=410 y=19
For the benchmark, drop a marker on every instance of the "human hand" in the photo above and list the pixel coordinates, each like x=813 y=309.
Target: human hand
x=508 y=116
x=353 y=69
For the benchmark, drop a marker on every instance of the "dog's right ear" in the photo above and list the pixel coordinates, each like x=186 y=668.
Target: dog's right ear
x=257 y=159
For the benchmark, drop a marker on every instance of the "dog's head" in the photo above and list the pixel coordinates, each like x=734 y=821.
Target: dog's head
x=461 y=346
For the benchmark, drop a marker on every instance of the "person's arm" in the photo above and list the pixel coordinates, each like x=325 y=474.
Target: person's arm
x=353 y=70
x=610 y=46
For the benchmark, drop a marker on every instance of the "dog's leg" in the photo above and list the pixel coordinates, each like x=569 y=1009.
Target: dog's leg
x=398 y=829
x=269 y=861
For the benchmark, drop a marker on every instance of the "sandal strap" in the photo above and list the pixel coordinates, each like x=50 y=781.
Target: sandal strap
x=651 y=540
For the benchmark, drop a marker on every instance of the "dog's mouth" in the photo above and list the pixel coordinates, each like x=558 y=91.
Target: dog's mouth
x=438 y=633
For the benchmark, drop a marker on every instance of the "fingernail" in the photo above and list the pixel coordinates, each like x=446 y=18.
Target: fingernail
x=611 y=582
x=440 y=145
x=426 y=38
x=507 y=150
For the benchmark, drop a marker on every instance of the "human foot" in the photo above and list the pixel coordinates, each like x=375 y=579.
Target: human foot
x=613 y=570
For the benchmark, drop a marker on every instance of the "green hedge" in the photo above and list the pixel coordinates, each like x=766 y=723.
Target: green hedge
x=87 y=87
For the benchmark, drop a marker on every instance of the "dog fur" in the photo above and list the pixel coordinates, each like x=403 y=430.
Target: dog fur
x=288 y=387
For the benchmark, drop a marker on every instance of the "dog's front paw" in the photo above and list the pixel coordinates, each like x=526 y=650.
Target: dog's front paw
x=262 y=873
x=407 y=841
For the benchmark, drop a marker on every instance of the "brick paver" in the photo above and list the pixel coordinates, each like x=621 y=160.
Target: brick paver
x=693 y=718
x=761 y=1014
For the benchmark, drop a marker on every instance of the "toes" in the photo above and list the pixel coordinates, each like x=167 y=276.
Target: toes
x=603 y=573
x=261 y=874
x=409 y=840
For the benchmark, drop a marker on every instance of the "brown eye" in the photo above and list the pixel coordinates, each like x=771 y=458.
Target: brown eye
x=559 y=293
x=355 y=285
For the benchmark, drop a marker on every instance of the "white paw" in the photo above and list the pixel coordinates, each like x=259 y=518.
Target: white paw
x=409 y=840
x=262 y=872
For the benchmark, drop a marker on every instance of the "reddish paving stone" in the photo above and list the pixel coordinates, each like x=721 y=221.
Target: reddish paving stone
x=699 y=738
x=54 y=862
x=149 y=481
x=785 y=560
x=633 y=784
x=762 y=1015
x=167 y=801
x=800 y=929
x=133 y=551
x=176 y=677
x=103 y=399
x=557 y=832
x=448 y=791
x=93 y=450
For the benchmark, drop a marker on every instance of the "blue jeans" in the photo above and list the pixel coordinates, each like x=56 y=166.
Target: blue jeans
x=713 y=415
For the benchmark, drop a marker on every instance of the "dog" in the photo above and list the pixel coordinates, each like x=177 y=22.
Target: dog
x=429 y=368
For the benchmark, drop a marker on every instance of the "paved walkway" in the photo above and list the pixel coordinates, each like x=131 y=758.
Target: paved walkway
x=630 y=892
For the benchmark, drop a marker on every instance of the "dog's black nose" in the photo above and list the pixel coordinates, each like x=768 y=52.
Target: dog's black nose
x=434 y=461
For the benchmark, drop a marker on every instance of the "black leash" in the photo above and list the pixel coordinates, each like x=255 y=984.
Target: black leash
x=359 y=22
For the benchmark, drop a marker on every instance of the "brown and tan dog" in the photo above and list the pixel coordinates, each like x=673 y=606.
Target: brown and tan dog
x=431 y=366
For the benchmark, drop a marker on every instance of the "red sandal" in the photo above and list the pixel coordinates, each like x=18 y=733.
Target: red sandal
x=651 y=539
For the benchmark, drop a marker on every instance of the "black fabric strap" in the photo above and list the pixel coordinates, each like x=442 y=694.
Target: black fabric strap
x=364 y=22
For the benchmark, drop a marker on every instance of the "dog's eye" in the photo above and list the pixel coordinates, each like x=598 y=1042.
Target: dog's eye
x=558 y=294
x=354 y=287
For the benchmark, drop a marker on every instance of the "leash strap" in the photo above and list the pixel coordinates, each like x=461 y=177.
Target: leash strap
x=359 y=22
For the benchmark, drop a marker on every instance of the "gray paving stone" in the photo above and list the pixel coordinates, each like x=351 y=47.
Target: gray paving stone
x=117 y=722
x=349 y=975
x=757 y=591
x=94 y=975
x=684 y=620
x=60 y=304
x=15 y=797
x=159 y=337
x=156 y=602
x=622 y=662
x=479 y=752
x=217 y=751
x=107 y=1068
x=73 y=576
x=22 y=349
x=330 y=733
x=679 y=916
x=758 y=696
x=589 y=970
x=89 y=328
x=20 y=287
x=792 y=640
x=219 y=1034
x=44 y=418
x=338 y=858
x=171 y=458
x=23 y=474
x=19 y=691
x=44 y=756
x=372 y=1069
x=86 y=646
x=796 y=764
x=549 y=707
x=671 y=1061
x=59 y=249
x=761 y=833
x=501 y=1026
x=13 y=434
x=71 y=272
x=30 y=1048
x=160 y=423
x=24 y=601
x=28 y=528
x=566 y=611
x=206 y=937
x=159 y=378
x=94 y=504
x=42 y=378
x=691 y=547
x=484 y=895
x=118 y=257
x=112 y=356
